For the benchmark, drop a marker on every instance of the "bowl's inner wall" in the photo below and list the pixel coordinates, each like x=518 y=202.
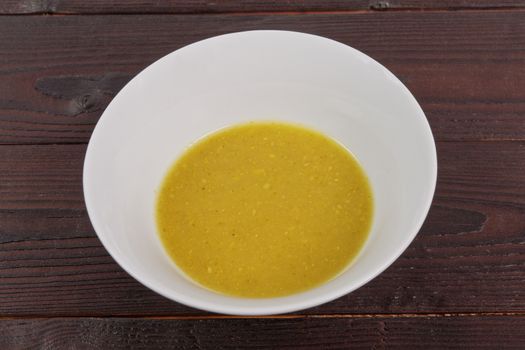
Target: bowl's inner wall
x=314 y=82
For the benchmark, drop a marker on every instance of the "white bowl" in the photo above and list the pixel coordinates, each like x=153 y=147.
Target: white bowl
x=268 y=75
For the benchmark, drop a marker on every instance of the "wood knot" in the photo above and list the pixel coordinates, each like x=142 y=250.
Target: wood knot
x=82 y=94
x=88 y=102
x=380 y=5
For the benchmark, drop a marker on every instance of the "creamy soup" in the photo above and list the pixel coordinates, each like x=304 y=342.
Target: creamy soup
x=264 y=210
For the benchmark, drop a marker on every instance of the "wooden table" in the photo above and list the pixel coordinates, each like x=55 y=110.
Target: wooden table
x=461 y=283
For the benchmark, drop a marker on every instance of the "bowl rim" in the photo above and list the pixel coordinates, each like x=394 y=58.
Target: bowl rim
x=292 y=305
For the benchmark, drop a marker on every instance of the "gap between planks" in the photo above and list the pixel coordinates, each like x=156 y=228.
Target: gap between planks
x=276 y=13
x=297 y=316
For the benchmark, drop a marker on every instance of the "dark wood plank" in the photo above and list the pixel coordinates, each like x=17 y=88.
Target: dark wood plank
x=444 y=4
x=467 y=68
x=468 y=257
x=228 y=6
x=176 y=6
x=456 y=332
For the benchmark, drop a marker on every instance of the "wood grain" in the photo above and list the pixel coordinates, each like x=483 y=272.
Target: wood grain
x=460 y=284
x=229 y=6
x=468 y=257
x=489 y=332
x=466 y=68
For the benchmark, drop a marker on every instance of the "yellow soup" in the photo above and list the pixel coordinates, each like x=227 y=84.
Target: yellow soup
x=264 y=210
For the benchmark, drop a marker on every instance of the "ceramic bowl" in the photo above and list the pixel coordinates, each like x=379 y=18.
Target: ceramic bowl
x=240 y=77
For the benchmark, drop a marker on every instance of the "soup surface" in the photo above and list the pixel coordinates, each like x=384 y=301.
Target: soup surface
x=264 y=209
